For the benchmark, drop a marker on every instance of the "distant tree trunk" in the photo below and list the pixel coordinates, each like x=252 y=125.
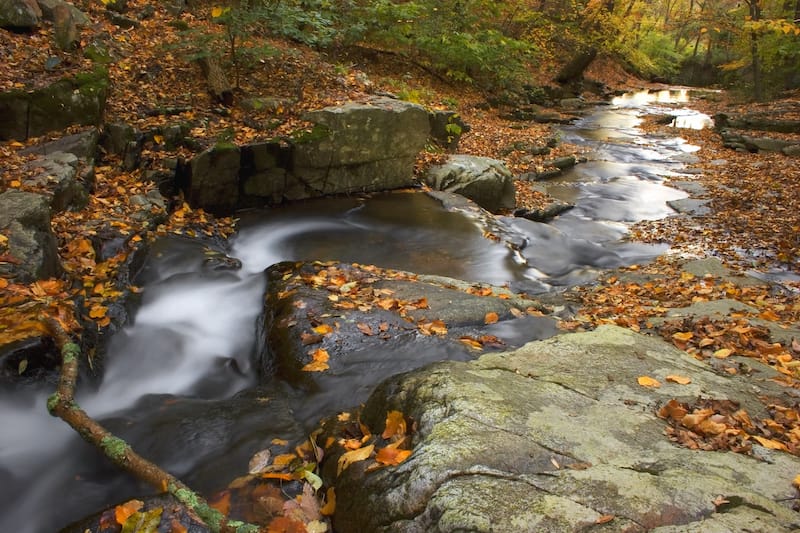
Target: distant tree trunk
x=797 y=12
x=218 y=84
x=755 y=15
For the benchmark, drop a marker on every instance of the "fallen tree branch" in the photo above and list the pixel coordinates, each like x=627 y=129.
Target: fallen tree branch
x=62 y=405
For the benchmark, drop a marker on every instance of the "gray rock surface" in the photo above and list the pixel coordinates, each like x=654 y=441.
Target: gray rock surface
x=554 y=436
x=19 y=14
x=485 y=181
x=690 y=206
x=31 y=246
x=67 y=179
x=215 y=179
x=360 y=147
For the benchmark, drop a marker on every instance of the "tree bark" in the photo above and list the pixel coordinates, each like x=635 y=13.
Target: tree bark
x=218 y=84
x=755 y=16
x=62 y=405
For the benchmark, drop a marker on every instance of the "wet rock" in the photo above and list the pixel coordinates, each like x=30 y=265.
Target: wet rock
x=549 y=212
x=374 y=319
x=485 y=181
x=562 y=163
x=690 y=206
x=263 y=172
x=214 y=179
x=34 y=359
x=554 y=436
x=19 y=14
x=172 y=516
x=32 y=253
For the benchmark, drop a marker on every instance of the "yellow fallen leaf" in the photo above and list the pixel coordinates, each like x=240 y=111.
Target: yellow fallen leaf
x=323 y=329
x=319 y=361
x=771 y=444
x=330 y=502
x=647 y=381
x=355 y=456
x=124 y=511
x=680 y=380
x=98 y=311
x=683 y=335
x=722 y=353
x=796 y=481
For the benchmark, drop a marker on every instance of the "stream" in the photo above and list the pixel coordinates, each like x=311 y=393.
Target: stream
x=180 y=381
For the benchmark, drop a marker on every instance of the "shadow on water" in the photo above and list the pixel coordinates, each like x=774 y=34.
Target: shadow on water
x=179 y=383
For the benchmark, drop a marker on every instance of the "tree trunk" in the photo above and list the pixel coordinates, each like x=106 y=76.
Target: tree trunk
x=218 y=84
x=755 y=15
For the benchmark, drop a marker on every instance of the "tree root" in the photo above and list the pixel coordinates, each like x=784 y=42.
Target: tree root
x=62 y=405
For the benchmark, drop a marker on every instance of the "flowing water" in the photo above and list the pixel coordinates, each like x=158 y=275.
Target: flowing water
x=180 y=383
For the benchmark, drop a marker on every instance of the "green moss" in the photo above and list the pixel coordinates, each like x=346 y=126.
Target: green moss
x=70 y=352
x=52 y=402
x=317 y=133
x=97 y=79
x=114 y=447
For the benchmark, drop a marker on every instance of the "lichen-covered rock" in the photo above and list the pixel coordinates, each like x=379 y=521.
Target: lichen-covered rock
x=367 y=146
x=31 y=252
x=558 y=436
x=66 y=178
x=485 y=181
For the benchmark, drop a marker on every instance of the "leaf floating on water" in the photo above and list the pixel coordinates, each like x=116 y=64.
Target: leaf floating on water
x=323 y=329
x=259 y=462
x=647 y=381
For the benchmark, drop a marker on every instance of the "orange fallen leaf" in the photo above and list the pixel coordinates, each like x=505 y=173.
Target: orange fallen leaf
x=604 y=519
x=470 y=342
x=354 y=456
x=680 y=380
x=395 y=425
x=796 y=481
x=490 y=318
x=319 y=362
x=647 y=381
x=683 y=335
x=124 y=511
x=770 y=315
x=391 y=456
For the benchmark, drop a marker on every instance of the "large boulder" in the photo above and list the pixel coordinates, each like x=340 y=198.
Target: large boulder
x=19 y=14
x=377 y=322
x=559 y=436
x=31 y=252
x=77 y=100
x=66 y=179
x=366 y=146
x=48 y=8
x=214 y=181
x=486 y=181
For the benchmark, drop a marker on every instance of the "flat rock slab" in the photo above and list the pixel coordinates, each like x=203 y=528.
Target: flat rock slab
x=558 y=436
x=690 y=206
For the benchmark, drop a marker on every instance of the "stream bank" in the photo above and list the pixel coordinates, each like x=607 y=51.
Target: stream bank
x=413 y=233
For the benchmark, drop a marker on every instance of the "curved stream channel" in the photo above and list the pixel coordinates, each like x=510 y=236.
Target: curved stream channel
x=180 y=381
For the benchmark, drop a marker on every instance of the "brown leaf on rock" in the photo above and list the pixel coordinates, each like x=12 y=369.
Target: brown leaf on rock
x=491 y=318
